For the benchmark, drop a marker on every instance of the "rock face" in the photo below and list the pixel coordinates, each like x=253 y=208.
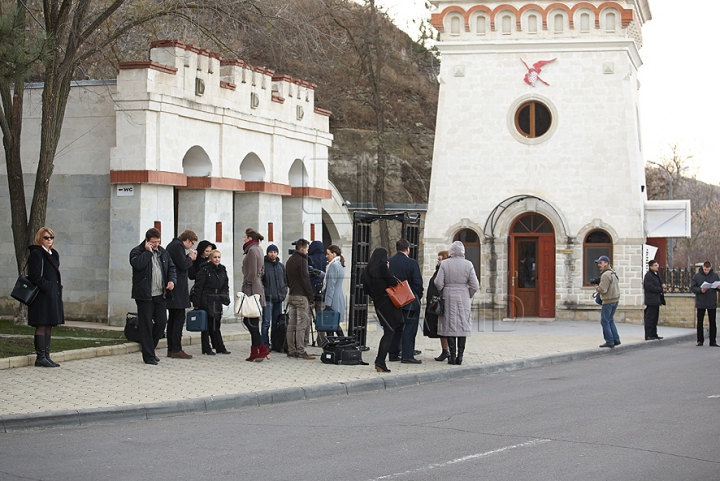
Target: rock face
x=353 y=165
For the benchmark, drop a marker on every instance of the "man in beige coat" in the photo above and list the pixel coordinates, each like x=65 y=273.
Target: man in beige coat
x=609 y=292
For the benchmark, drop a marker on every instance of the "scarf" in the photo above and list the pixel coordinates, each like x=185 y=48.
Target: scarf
x=327 y=269
x=247 y=245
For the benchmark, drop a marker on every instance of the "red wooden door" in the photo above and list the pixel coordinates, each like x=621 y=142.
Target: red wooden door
x=546 y=275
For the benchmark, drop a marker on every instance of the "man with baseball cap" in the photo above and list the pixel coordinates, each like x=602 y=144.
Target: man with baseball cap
x=609 y=292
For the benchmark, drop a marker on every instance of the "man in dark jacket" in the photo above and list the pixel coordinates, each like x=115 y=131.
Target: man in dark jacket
x=406 y=269
x=153 y=280
x=180 y=299
x=705 y=300
x=654 y=286
x=300 y=300
x=276 y=290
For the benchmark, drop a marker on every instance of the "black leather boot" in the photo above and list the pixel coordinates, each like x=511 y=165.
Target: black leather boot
x=47 y=350
x=451 y=348
x=40 y=359
x=460 y=350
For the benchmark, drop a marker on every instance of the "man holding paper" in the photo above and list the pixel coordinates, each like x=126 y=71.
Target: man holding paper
x=704 y=285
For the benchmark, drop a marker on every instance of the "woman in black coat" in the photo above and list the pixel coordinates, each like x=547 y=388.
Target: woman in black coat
x=204 y=248
x=46 y=310
x=211 y=292
x=376 y=278
x=431 y=319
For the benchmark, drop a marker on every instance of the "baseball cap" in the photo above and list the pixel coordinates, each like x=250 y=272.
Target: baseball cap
x=603 y=259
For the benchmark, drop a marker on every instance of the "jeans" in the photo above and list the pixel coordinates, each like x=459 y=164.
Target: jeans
x=607 y=320
x=270 y=314
x=403 y=338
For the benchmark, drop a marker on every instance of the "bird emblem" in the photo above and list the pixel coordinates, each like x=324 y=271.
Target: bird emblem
x=533 y=73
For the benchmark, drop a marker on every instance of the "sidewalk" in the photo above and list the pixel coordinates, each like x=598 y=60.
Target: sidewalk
x=122 y=387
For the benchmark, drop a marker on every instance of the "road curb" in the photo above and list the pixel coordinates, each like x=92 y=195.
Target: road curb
x=84 y=417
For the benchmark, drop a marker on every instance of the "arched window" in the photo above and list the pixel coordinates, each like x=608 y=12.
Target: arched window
x=597 y=243
x=559 y=23
x=481 y=25
x=610 y=22
x=506 y=25
x=455 y=25
x=584 y=22
x=532 y=24
x=470 y=239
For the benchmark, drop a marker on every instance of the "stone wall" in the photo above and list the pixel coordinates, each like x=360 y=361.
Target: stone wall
x=78 y=213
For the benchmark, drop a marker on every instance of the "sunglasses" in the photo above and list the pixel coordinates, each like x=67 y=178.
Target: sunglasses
x=48 y=237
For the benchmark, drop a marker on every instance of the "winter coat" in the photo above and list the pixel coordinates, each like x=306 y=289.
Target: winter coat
x=318 y=260
x=652 y=285
x=388 y=314
x=43 y=270
x=141 y=262
x=708 y=299
x=253 y=268
x=274 y=281
x=430 y=325
x=334 y=296
x=181 y=293
x=298 y=277
x=609 y=287
x=458 y=281
x=211 y=290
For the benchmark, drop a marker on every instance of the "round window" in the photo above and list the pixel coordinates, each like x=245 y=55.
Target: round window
x=533 y=119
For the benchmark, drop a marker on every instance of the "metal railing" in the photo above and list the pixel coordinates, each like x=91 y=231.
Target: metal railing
x=678 y=280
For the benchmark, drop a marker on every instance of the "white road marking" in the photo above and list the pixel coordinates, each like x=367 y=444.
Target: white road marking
x=463 y=459
x=714 y=396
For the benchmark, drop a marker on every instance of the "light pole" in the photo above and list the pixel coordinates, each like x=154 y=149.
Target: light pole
x=671 y=179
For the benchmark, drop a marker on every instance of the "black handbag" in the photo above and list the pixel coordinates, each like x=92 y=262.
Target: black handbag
x=24 y=290
x=437 y=304
x=132 y=327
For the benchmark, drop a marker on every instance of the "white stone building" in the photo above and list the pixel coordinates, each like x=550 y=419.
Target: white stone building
x=185 y=140
x=538 y=162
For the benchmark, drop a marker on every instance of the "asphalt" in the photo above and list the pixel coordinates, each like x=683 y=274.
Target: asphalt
x=102 y=385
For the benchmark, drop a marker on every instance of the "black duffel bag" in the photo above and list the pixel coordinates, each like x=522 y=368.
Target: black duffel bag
x=132 y=327
x=342 y=350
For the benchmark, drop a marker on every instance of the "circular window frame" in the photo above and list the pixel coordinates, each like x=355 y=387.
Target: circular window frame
x=512 y=115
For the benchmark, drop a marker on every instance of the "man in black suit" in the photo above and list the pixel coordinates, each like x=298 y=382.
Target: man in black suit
x=406 y=269
x=178 y=250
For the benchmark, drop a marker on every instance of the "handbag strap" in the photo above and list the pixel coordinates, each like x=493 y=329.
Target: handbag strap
x=42 y=267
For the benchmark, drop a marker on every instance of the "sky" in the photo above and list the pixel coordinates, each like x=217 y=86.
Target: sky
x=679 y=79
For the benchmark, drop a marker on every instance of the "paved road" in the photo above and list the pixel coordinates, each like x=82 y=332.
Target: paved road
x=640 y=415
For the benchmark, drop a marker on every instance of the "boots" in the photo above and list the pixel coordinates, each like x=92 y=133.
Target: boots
x=262 y=353
x=47 y=350
x=451 y=347
x=41 y=359
x=460 y=350
x=444 y=355
x=254 y=353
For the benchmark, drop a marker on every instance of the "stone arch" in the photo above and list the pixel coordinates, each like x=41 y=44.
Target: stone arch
x=197 y=163
x=298 y=175
x=597 y=224
x=252 y=168
x=502 y=217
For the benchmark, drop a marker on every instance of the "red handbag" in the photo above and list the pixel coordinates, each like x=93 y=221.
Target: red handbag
x=400 y=294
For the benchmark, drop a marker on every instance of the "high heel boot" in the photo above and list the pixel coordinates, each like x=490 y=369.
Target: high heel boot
x=443 y=355
x=40 y=357
x=451 y=347
x=380 y=366
x=460 y=350
x=47 y=350
x=263 y=353
x=253 y=353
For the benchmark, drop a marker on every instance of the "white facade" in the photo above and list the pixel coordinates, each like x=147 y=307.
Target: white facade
x=585 y=174
x=186 y=140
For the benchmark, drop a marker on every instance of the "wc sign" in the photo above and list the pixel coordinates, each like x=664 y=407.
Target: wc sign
x=125 y=190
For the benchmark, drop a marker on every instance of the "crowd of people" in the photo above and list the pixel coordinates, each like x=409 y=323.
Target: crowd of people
x=311 y=281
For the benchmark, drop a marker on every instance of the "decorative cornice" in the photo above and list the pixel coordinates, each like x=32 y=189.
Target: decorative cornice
x=324 y=112
x=215 y=183
x=311 y=192
x=148 y=65
x=268 y=187
x=147 y=177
